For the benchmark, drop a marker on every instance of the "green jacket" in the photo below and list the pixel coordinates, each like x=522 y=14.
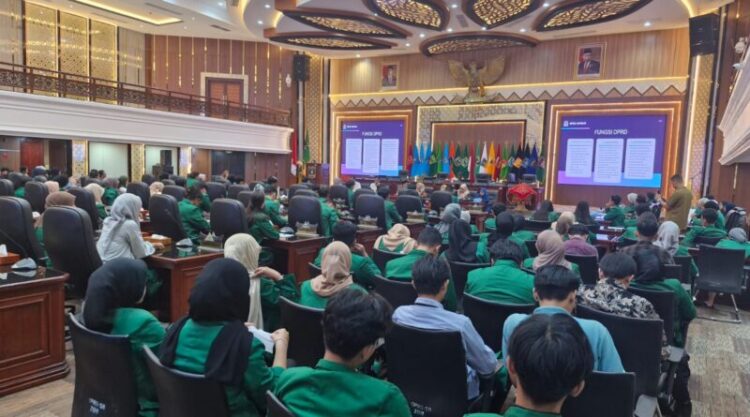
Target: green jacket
x=20 y=192
x=528 y=263
x=553 y=216
x=616 y=216
x=192 y=220
x=733 y=244
x=399 y=269
x=504 y=282
x=524 y=235
x=391 y=215
x=248 y=400
x=205 y=203
x=334 y=390
x=515 y=411
x=482 y=253
x=328 y=217
x=489 y=223
x=101 y=210
x=628 y=223
x=697 y=221
x=522 y=243
x=701 y=231
x=190 y=182
x=142 y=328
x=109 y=196
x=629 y=233
x=270 y=291
x=261 y=228
x=363 y=269
x=309 y=298
x=350 y=193
x=271 y=209
x=683 y=251
x=684 y=308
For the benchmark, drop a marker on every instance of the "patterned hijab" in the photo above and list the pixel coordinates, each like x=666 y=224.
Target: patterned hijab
x=244 y=249
x=335 y=270
x=551 y=250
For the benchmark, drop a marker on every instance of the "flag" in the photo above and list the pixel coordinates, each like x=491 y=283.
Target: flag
x=490 y=166
x=505 y=168
x=465 y=169
x=293 y=155
x=482 y=163
x=306 y=148
x=498 y=162
x=533 y=160
x=434 y=161
x=414 y=165
x=477 y=160
x=518 y=160
x=540 y=172
x=452 y=155
x=445 y=164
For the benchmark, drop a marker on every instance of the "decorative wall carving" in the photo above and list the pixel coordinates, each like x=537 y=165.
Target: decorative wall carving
x=323 y=40
x=41 y=37
x=137 y=161
x=473 y=41
x=11 y=32
x=80 y=157
x=697 y=123
x=314 y=105
x=103 y=51
x=346 y=22
x=74 y=45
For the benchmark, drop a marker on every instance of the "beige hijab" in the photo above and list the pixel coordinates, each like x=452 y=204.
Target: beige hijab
x=96 y=190
x=244 y=249
x=397 y=235
x=52 y=186
x=551 y=250
x=335 y=270
x=563 y=223
x=156 y=187
x=56 y=199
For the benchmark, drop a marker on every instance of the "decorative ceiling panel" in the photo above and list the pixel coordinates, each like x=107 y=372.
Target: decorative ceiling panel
x=473 y=41
x=574 y=13
x=332 y=41
x=493 y=13
x=428 y=14
x=346 y=22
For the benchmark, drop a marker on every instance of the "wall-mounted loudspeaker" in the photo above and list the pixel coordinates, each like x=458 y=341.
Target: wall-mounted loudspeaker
x=704 y=34
x=301 y=64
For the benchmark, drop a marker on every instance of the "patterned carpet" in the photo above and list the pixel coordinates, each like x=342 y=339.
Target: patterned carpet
x=720 y=383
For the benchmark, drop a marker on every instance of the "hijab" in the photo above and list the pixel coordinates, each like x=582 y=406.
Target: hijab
x=56 y=199
x=668 y=237
x=244 y=249
x=52 y=186
x=451 y=213
x=632 y=197
x=551 y=250
x=126 y=207
x=219 y=295
x=335 y=272
x=563 y=223
x=96 y=190
x=398 y=235
x=738 y=235
x=504 y=227
x=463 y=192
x=156 y=187
x=460 y=246
x=116 y=284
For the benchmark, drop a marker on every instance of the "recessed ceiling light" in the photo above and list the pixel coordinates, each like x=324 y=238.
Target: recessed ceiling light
x=523 y=30
x=375 y=14
x=421 y=35
x=98 y=4
x=184 y=27
x=647 y=23
x=408 y=44
x=546 y=4
x=454 y=6
x=221 y=4
x=450 y=29
x=358 y=55
x=267 y=6
x=192 y=18
x=260 y=22
x=484 y=27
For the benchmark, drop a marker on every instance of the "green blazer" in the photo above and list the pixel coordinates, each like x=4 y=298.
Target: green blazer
x=109 y=196
x=391 y=215
x=616 y=216
x=733 y=244
x=684 y=309
x=271 y=209
x=701 y=231
x=399 y=269
x=328 y=217
x=309 y=298
x=504 y=282
x=192 y=220
x=101 y=210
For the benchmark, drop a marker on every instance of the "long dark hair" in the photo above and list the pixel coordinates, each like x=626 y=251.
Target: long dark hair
x=542 y=213
x=583 y=214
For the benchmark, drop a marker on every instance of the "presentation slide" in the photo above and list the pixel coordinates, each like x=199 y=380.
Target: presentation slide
x=612 y=151
x=372 y=147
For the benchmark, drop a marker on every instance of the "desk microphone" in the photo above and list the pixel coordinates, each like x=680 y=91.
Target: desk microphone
x=25 y=264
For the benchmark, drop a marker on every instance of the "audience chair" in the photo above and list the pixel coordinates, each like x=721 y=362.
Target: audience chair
x=358 y=193
x=17 y=229
x=626 y=241
x=663 y=302
x=408 y=203
x=306 y=348
x=605 y=394
x=168 y=182
x=275 y=408
x=141 y=190
x=228 y=217
x=36 y=194
x=686 y=263
x=594 y=228
x=296 y=187
x=673 y=271
x=244 y=198
x=6 y=187
x=381 y=257
x=313 y=269
x=709 y=241
x=589 y=266
x=371 y=205
x=216 y=190
x=397 y=293
x=489 y=317
x=339 y=194
x=410 y=192
x=104 y=377
x=85 y=201
x=460 y=272
x=180 y=181
x=537 y=225
x=175 y=191
x=165 y=217
x=148 y=179
x=182 y=394
x=531 y=246
x=440 y=199
x=235 y=189
x=306 y=191
x=303 y=209
x=722 y=272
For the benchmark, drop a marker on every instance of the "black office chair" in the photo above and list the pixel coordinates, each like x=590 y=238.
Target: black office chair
x=175 y=191
x=625 y=242
x=275 y=408
x=663 y=302
x=85 y=201
x=722 y=272
x=307 y=192
x=710 y=241
x=361 y=191
x=370 y=205
x=381 y=257
x=165 y=217
x=17 y=229
x=168 y=182
x=489 y=317
x=440 y=199
x=105 y=381
x=69 y=241
x=313 y=269
x=339 y=194
x=148 y=179
x=594 y=228
x=303 y=209
x=235 y=189
x=244 y=198
x=460 y=272
x=686 y=264
x=589 y=267
x=36 y=194
x=531 y=246
x=183 y=394
x=305 y=323
x=537 y=225
x=673 y=271
x=409 y=191
x=6 y=187
x=228 y=217
x=397 y=293
x=296 y=187
x=179 y=181
x=141 y=190
x=408 y=204
x=605 y=394
x=216 y=190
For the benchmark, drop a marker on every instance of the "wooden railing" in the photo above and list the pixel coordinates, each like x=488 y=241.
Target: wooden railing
x=56 y=83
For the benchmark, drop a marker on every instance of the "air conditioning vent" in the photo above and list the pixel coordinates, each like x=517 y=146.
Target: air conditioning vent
x=462 y=21
x=220 y=28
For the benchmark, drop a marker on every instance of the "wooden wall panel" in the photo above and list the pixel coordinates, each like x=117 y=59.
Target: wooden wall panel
x=199 y=56
x=159 y=78
x=236 y=56
x=186 y=65
x=223 y=54
x=173 y=62
x=10 y=152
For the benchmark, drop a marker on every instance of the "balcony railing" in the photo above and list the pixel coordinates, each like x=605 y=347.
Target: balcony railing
x=56 y=83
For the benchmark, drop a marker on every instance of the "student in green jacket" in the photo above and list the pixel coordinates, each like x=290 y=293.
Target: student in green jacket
x=363 y=268
x=489 y=222
x=461 y=247
x=720 y=220
x=336 y=275
x=504 y=282
x=505 y=225
x=97 y=191
x=192 y=179
x=615 y=215
x=110 y=191
x=551 y=250
x=205 y=204
x=219 y=308
x=631 y=225
x=272 y=207
x=350 y=183
x=736 y=239
x=545 y=212
x=192 y=217
x=19 y=184
x=519 y=233
x=328 y=215
x=113 y=295
x=354 y=324
x=707 y=230
x=391 y=214
x=261 y=227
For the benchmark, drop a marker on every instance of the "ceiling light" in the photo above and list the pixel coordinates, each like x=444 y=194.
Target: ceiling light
x=421 y=35
x=260 y=22
x=222 y=4
x=523 y=30
x=454 y=6
x=546 y=4
x=647 y=24
x=484 y=27
x=267 y=6
x=358 y=55
x=184 y=27
x=375 y=14
x=192 y=18
x=126 y=13
x=408 y=44
x=450 y=29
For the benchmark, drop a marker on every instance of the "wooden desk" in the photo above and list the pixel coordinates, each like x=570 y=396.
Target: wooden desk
x=147 y=227
x=368 y=237
x=32 y=329
x=179 y=269
x=415 y=228
x=291 y=256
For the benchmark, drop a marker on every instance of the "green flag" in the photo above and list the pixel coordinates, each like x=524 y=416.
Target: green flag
x=477 y=160
x=306 y=148
x=434 y=159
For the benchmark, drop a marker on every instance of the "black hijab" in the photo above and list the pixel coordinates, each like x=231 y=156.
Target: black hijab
x=649 y=268
x=461 y=247
x=220 y=294
x=116 y=284
x=504 y=226
x=543 y=212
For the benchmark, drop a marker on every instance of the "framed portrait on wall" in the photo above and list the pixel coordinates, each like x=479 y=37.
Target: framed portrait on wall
x=590 y=60
x=389 y=76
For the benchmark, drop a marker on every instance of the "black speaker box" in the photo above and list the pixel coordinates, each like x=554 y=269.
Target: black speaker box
x=704 y=34
x=301 y=64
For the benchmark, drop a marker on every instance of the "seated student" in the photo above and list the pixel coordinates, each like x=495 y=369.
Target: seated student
x=555 y=290
x=391 y=214
x=428 y=244
x=354 y=324
x=629 y=208
x=328 y=215
x=122 y=184
x=266 y=284
x=110 y=191
x=52 y=186
x=461 y=247
x=545 y=212
x=362 y=267
x=631 y=225
x=668 y=238
x=709 y=204
x=156 y=188
x=577 y=243
x=505 y=224
x=212 y=340
x=98 y=191
x=271 y=207
x=431 y=279
x=463 y=192
x=647 y=229
x=736 y=239
x=112 y=297
x=350 y=183
x=451 y=213
x=397 y=240
x=563 y=223
x=335 y=275
x=707 y=230
x=56 y=199
x=489 y=223
x=466 y=216
x=19 y=184
x=551 y=250
x=519 y=233
x=205 y=204
x=504 y=282
x=192 y=216
x=583 y=213
x=192 y=179
x=615 y=215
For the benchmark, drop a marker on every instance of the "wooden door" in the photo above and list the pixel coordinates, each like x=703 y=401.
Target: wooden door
x=32 y=153
x=224 y=91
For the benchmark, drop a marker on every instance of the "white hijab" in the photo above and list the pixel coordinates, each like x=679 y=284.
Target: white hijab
x=668 y=237
x=244 y=249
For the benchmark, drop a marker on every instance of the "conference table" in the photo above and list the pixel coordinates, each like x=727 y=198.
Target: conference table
x=367 y=238
x=291 y=256
x=32 y=328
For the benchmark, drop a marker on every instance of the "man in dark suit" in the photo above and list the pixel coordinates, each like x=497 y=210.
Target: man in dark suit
x=588 y=66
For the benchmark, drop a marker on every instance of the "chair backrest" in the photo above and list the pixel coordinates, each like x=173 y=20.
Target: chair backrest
x=381 y=257
x=244 y=198
x=36 y=194
x=228 y=217
x=148 y=179
x=531 y=246
x=6 y=187
x=430 y=369
x=489 y=317
x=69 y=241
x=440 y=199
x=165 y=217
x=294 y=188
x=686 y=263
x=397 y=293
x=589 y=267
x=306 y=191
x=370 y=205
x=593 y=228
x=141 y=190
x=168 y=182
x=626 y=241
x=358 y=193
x=339 y=193
x=673 y=271
x=275 y=408
x=17 y=228
x=303 y=209
x=408 y=204
x=105 y=381
x=537 y=225
x=721 y=269
x=605 y=394
x=175 y=191
x=639 y=344
x=703 y=240
x=86 y=201
x=183 y=394
x=409 y=191
x=305 y=324
x=216 y=190
x=460 y=272
x=663 y=302
x=179 y=180
x=313 y=269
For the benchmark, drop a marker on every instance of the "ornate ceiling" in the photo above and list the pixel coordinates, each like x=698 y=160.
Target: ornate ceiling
x=323 y=40
x=427 y=14
x=472 y=42
x=575 y=13
x=350 y=23
x=493 y=13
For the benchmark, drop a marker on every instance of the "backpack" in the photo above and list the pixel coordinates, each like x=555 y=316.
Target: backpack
x=737 y=217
